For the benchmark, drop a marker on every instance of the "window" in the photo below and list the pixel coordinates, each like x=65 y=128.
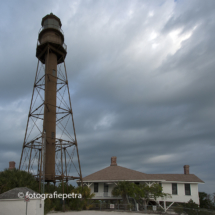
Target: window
x=174 y=189
x=187 y=189
x=137 y=183
x=105 y=190
x=96 y=187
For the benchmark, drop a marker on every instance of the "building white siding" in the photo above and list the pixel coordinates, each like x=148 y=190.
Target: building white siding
x=18 y=206
x=167 y=188
x=180 y=196
x=101 y=192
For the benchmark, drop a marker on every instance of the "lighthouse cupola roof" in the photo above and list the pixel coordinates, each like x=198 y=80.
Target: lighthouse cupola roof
x=51 y=19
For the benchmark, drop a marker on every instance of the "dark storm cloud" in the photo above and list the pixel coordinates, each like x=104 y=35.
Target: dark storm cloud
x=141 y=81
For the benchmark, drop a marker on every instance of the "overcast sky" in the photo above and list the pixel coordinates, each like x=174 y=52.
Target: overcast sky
x=141 y=76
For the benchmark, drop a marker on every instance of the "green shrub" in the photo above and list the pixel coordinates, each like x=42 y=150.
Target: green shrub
x=48 y=205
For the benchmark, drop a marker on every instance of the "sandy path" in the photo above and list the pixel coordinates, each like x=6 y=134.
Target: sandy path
x=97 y=213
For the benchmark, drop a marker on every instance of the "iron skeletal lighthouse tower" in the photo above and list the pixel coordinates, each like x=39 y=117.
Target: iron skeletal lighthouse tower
x=50 y=149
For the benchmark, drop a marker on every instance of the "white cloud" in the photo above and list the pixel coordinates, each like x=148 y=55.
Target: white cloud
x=161 y=158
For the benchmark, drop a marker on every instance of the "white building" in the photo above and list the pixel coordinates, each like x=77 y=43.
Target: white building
x=11 y=204
x=182 y=187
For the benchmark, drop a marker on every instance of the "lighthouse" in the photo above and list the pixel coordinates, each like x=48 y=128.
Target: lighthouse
x=46 y=153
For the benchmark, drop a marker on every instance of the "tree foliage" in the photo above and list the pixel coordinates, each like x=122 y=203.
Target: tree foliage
x=124 y=189
x=84 y=202
x=70 y=203
x=68 y=188
x=189 y=208
x=84 y=191
x=10 y=179
x=146 y=192
x=138 y=192
x=205 y=201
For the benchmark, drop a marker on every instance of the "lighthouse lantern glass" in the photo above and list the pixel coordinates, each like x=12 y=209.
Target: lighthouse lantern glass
x=51 y=23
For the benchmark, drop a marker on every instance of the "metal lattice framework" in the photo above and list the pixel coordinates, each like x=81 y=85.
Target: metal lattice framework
x=67 y=163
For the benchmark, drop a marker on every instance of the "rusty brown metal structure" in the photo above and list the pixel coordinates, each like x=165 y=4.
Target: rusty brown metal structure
x=50 y=149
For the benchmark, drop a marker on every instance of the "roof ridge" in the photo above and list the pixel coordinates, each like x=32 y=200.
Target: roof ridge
x=120 y=168
x=132 y=170
x=116 y=167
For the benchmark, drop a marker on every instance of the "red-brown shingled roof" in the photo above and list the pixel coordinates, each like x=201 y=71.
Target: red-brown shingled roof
x=121 y=173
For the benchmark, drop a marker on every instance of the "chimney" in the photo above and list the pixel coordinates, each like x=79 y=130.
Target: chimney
x=113 y=161
x=186 y=169
x=12 y=165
